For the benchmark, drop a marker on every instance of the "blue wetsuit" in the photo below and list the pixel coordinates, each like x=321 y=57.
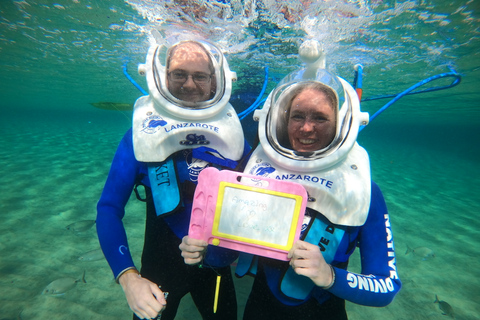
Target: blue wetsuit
x=376 y=286
x=161 y=259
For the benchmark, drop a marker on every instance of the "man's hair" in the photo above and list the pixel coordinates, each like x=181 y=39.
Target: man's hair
x=195 y=43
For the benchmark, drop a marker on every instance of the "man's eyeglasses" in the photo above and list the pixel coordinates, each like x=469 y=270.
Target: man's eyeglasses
x=199 y=78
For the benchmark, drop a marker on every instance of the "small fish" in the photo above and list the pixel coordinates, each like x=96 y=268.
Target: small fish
x=446 y=309
x=80 y=226
x=62 y=285
x=421 y=252
x=93 y=255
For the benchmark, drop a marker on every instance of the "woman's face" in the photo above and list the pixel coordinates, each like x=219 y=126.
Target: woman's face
x=311 y=122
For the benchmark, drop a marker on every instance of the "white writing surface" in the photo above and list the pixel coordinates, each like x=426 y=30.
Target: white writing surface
x=257 y=216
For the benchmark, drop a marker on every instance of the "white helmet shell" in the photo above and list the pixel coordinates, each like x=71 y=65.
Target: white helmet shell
x=164 y=124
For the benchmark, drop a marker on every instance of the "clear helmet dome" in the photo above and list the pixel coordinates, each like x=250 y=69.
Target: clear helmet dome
x=190 y=79
x=274 y=120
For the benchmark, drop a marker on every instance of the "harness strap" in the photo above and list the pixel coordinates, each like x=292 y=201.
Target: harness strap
x=138 y=182
x=167 y=190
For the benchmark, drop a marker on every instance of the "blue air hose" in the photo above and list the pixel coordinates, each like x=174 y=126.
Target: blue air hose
x=124 y=67
x=257 y=102
x=452 y=73
x=410 y=90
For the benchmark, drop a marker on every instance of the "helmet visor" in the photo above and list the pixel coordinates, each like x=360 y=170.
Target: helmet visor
x=190 y=74
x=305 y=121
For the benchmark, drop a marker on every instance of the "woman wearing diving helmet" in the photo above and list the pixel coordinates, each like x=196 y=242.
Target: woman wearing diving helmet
x=308 y=129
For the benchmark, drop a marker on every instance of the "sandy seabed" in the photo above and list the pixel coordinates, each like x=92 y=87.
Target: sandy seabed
x=53 y=174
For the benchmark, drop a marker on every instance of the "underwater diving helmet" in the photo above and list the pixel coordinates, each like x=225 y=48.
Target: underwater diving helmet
x=156 y=71
x=179 y=115
x=273 y=121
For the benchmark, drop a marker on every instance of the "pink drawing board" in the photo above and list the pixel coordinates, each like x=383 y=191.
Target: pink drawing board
x=252 y=214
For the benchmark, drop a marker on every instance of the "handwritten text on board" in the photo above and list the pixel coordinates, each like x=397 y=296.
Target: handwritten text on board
x=256 y=216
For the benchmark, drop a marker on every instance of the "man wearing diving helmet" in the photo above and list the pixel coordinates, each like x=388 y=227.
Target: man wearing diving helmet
x=189 y=88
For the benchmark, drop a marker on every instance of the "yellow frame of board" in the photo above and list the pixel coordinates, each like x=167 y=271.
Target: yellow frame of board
x=218 y=212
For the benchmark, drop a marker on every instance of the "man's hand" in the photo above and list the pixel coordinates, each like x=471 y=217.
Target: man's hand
x=193 y=250
x=144 y=297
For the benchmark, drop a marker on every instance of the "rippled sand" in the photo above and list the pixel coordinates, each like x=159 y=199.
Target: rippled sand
x=53 y=171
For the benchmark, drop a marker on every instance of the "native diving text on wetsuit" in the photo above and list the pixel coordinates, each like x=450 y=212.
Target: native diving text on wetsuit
x=370 y=283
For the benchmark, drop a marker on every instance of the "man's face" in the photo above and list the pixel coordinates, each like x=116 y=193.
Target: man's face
x=189 y=76
x=311 y=123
